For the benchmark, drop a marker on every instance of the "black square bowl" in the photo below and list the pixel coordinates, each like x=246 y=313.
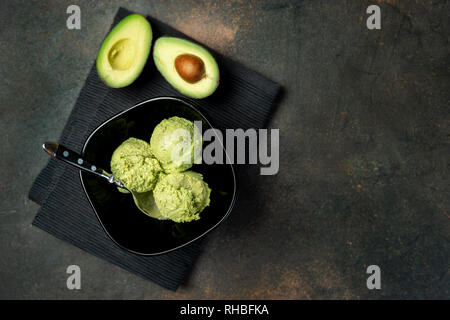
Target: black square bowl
x=124 y=223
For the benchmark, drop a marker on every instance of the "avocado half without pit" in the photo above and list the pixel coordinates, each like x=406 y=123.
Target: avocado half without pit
x=188 y=67
x=124 y=51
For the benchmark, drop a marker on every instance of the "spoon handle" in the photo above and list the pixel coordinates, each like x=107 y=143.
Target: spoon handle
x=70 y=157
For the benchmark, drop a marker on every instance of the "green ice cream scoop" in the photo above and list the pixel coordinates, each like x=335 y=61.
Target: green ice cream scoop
x=175 y=142
x=134 y=164
x=181 y=196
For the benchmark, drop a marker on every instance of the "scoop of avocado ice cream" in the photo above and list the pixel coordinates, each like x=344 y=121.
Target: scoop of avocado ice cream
x=181 y=196
x=134 y=164
x=174 y=144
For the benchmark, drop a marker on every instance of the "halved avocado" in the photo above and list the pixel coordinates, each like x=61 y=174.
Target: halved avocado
x=188 y=67
x=124 y=51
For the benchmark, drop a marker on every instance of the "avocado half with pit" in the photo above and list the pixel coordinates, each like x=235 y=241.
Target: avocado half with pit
x=188 y=67
x=124 y=51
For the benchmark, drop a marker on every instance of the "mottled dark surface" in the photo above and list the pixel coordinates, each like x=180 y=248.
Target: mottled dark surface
x=364 y=154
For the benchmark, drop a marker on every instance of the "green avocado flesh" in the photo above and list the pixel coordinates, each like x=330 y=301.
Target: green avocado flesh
x=181 y=196
x=124 y=51
x=165 y=53
x=159 y=183
x=174 y=142
x=134 y=164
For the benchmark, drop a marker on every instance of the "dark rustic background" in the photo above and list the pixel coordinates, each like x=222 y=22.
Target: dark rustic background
x=364 y=154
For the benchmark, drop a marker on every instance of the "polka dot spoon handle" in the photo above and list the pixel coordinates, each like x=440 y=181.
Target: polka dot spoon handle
x=70 y=157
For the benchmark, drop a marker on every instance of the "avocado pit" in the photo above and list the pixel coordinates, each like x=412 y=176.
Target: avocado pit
x=190 y=67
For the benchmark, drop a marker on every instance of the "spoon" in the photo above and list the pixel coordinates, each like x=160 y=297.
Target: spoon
x=144 y=201
x=67 y=156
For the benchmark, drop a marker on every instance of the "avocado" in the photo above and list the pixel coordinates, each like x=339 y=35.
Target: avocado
x=188 y=67
x=124 y=51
